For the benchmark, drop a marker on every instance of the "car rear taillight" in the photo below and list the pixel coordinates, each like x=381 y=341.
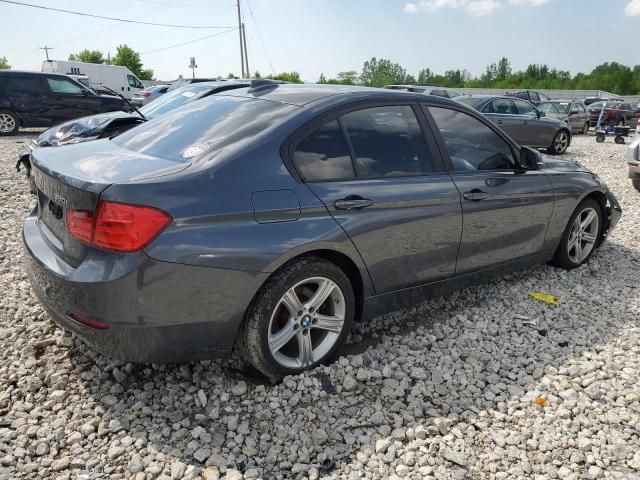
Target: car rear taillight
x=88 y=322
x=117 y=227
x=609 y=111
x=146 y=94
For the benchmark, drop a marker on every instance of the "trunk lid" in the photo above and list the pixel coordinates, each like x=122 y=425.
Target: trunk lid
x=73 y=177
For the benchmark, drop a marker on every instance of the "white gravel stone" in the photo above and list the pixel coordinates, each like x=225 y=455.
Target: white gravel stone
x=445 y=389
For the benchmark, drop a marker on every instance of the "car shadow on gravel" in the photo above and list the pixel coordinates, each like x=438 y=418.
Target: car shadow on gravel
x=421 y=375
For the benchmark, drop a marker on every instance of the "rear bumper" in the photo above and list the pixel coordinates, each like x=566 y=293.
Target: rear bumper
x=155 y=311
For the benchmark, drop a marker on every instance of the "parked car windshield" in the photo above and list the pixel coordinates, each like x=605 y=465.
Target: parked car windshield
x=174 y=99
x=211 y=125
x=472 y=102
x=563 y=107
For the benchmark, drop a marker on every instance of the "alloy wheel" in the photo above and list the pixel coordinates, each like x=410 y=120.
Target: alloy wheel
x=583 y=235
x=7 y=123
x=561 y=142
x=306 y=322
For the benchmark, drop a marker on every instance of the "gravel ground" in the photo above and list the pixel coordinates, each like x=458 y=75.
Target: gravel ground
x=455 y=388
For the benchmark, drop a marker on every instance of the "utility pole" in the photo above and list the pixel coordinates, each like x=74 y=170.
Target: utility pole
x=241 y=47
x=246 y=52
x=46 y=49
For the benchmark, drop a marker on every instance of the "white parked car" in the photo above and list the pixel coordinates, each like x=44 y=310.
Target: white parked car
x=117 y=78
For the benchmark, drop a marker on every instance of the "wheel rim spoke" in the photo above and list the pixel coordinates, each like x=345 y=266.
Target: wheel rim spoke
x=589 y=237
x=305 y=349
x=325 y=288
x=586 y=223
x=329 y=323
x=282 y=337
x=292 y=302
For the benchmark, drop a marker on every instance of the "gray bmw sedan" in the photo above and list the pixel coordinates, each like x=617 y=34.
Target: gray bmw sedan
x=272 y=217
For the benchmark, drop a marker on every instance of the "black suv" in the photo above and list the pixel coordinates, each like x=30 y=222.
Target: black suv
x=33 y=99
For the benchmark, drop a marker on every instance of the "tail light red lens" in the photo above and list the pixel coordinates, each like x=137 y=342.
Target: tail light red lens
x=118 y=227
x=95 y=324
x=145 y=94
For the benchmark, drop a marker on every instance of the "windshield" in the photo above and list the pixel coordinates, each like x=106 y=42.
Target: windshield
x=470 y=101
x=563 y=107
x=174 y=99
x=213 y=124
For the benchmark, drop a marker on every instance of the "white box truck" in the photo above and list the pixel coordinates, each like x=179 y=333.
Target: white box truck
x=117 y=78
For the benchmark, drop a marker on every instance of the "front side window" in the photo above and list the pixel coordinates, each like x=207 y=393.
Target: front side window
x=134 y=82
x=471 y=144
x=525 y=108
x=502 y=106
x=550 y=107
x=61 y=85
x=524 y=95
x=324 y=155
x=387 y=142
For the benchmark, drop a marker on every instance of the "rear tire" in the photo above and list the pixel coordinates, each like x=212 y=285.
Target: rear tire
x=560 y=143
x=619 y=140
x=298 y=319
x=581 y=236
x=600 y=138
x=9 y=122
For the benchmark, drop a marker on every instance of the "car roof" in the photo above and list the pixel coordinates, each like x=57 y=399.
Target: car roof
x=304 y=94
x=30 y=72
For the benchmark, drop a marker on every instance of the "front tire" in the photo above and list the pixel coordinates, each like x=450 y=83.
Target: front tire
x=581 y=236
x=560 y=143
x=299 y=318
x=9 y=123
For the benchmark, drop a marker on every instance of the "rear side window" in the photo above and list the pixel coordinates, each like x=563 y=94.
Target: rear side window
x=61 y=85
x=23 y=84
x=324 y=155
x=502 y=106
x=523 y=95
x=387 y=142
x=204 y=128
x=471 y=144
x=534 y=97
x=439 y=93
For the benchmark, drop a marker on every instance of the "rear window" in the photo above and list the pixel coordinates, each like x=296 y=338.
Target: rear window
x=209 y=126
x=174 y=99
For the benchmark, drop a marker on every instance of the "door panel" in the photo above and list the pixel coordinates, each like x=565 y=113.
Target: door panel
x=508 y=219
x=410 y=232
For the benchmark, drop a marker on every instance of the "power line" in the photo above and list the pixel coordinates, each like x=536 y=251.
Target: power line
x=264 y=47
x=186 y=4
x=105 y=18
x=190 y=41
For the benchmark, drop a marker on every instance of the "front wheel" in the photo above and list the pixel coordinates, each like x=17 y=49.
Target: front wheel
x=580 y=237
x=299 y=318
x=9 y=123
x=560 y=143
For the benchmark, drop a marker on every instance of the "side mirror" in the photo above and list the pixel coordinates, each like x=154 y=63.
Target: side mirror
x=541 y=114
x=530 y=159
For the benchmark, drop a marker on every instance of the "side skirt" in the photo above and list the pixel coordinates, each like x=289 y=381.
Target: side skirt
x=390 y=301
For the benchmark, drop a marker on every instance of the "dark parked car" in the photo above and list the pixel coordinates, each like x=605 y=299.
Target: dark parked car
x=633 y=160
x=427 y=90
x=32 y=99
x=615 y=113
x=589 y=100
x=530 y=96
x=523 y=122
x=107 y=125
x=569 y=111
x=273 y=217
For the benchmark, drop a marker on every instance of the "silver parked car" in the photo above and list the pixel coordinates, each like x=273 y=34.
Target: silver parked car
x=523 y=122
x=633 y=160
x=149 y=94
x=569 y=111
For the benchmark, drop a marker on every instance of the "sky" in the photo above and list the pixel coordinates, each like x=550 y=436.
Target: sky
x=330 y=36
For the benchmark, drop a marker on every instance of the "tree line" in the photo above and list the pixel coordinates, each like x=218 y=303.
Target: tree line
x=611 y=76
x=377 y=72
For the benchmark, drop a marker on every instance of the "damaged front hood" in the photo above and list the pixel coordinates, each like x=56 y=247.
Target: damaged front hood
x=85 y=128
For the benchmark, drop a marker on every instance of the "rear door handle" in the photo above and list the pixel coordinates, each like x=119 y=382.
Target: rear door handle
x=475 y=195
x=500 y=122
x=352 y=203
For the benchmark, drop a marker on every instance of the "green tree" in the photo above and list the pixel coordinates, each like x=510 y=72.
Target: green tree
x=293 y=77
x=378 y=73
x=4 y=64
x=256 y=74
x=348 y=78
x=322 y=78
x=128 y=57
x=87 y=56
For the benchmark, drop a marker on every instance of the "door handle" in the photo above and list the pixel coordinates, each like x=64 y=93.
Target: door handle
x=500 y=122
x=475 y=195
x=352 y=202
